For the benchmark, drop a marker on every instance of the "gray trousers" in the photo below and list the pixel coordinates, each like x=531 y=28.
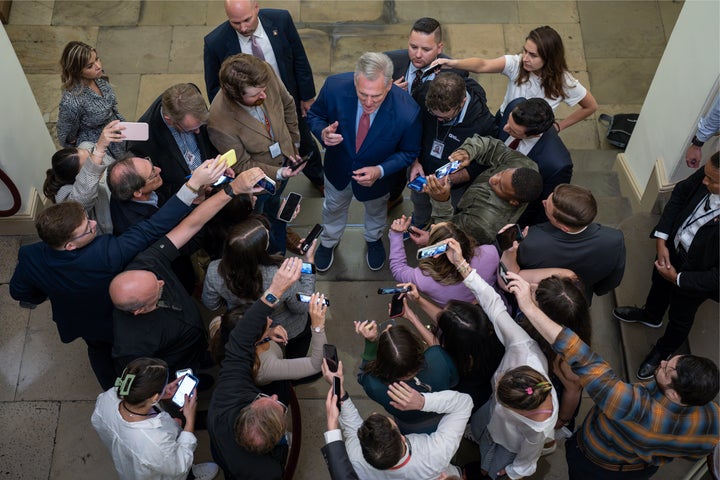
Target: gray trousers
x=335 y=215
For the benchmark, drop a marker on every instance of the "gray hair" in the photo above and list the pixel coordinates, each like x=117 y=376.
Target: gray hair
x=373 y=64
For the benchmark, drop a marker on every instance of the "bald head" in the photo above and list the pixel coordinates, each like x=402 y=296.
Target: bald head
x=242 y=15
x=136 y=291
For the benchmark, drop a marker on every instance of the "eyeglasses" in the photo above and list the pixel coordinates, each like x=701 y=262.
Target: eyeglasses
x=448 y=116
x=666 y=368
x=90 y=229
x=262 y=395
x=153 y=174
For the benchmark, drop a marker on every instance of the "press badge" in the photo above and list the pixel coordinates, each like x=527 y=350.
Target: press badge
x=275 y=149
x=437 y=149
x=189 y=157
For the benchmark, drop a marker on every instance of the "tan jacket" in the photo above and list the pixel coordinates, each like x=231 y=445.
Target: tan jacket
x=231 y=126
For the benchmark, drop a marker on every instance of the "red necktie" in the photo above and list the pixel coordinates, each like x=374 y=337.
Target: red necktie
x=514 y=144
x=256 y=50
x=362 y=130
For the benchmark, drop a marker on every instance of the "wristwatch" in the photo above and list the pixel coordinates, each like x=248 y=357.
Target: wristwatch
x=271 y=299
x=229 y=191
x=318 y=329
x=697 y=142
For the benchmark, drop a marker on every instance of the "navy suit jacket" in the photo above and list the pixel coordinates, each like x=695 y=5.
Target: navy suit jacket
x=162 y=148
x=293 y=64
x=554 y=164
x=393 y=140
x=700 y=270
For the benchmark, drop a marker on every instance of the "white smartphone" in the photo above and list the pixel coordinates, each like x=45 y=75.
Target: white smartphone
x=135 y=130
x=186 y=387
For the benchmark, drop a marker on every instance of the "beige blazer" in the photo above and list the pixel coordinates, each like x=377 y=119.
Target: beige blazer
x=231 y=126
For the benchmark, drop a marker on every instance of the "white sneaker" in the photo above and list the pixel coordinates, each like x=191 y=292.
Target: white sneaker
x=205 y=471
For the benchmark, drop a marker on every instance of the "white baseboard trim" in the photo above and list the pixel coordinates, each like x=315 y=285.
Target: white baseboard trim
x=24 y=223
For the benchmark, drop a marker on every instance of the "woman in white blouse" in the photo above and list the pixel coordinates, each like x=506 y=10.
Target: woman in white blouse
x=513 y=425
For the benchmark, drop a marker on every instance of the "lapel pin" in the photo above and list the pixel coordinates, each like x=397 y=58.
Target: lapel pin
x=275 y=32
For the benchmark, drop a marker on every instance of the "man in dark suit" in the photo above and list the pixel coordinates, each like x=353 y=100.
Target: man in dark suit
x=178 y=140
x=686 y=268
x=527 y=126
x=371 y=130
x=271 y=35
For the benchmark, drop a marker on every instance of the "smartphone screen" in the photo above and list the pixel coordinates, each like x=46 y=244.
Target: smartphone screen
x=305 y=298
x=222 y=180
x=314 y=233
x=505 y=239
x=432 y=250
x=392 y=290
x=308 y=268
x=396 y=306
x=303 y=160
x=330 y=356
x=417 y=184
x=135 y=130
x=287 y=210
x=268 y=184
x=337 y=389
x=503 y=273
x=182 y=372
x=186 y=386
x=447 y=169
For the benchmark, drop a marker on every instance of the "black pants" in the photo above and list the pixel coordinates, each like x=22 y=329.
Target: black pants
x=298 y=346
x=581 y=468
x=101 y=361
x=683 y=306
x=313 y=169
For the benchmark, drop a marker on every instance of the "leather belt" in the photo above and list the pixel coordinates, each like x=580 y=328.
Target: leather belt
x=608 y=466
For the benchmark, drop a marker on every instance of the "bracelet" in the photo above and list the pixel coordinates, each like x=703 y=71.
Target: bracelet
x=345 y=397
x=696 y=142
x=463 y=265
x=192 y=189
x=229 y=191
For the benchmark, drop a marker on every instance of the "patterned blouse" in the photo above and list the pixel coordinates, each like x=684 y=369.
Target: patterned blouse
x=83 y=114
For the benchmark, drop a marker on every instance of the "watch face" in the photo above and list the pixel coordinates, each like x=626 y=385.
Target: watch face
x=271 y=298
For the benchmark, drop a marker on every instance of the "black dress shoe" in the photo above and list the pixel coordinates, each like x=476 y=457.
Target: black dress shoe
x=636 y=315
x=650 y=364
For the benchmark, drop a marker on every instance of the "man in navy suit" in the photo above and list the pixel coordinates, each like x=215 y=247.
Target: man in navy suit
x=531 y=122
x=271 y=35
x=371 y=129
x=686 y=268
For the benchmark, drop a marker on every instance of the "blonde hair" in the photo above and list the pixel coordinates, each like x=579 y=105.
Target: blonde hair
x=74 y=59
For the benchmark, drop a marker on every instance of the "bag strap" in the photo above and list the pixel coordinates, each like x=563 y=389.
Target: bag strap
x=605 y=119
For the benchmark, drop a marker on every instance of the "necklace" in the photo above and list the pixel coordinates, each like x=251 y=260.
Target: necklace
x=150 y=414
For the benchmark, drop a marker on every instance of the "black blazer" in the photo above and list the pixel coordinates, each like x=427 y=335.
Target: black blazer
x=337 y=461
x=165 y=152
x=700 y=269
x=293 y=64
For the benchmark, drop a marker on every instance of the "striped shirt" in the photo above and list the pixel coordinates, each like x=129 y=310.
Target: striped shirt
x=635 y=423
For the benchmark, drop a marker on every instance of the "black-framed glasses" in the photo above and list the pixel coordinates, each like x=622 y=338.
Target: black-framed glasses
x=90 y=229
x=262 y=395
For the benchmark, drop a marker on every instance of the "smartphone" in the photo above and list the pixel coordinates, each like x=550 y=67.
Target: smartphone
x=305 y=298
x=303 y=160
x=447 y=169
x=314 y=233
x=182 y=372
x=186 y=386
x=222 y=181
x=417 y=184
x=336 y=390
x=289 y=204
x=503 y=273
x=229 y=158
x=308 y=268
x=432 y=250
x=330 y=356
x=134 y=130
x=268 y=184
x=397 y=308
x=392 y=290
x=506 y=238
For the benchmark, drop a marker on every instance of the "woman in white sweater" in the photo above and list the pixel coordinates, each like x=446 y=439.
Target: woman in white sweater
x=513 y=425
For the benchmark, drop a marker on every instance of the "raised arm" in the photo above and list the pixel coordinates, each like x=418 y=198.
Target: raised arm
x=473 y=64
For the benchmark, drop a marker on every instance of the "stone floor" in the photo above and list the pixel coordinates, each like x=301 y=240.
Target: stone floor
x=612 y=47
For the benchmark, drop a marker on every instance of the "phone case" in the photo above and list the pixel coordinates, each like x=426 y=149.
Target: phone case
x=286 y=216
x=135 y=131
x=229 y=157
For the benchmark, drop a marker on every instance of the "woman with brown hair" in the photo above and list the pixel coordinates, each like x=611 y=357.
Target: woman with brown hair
x=88 y=100
x=540 y=71
x=435 y=276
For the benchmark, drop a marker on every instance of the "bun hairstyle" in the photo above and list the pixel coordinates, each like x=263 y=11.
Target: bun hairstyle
x=141 y=379
x=523 y=388
x=65 y=167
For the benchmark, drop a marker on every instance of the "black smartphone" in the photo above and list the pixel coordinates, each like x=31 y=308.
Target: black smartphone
x=397 y=308
x=505 y=239
x=288 y=207
x=503 y=273
x=186 y=386
x=336 y=390
x=314 y=233
x=308 y=268
x=294 y=166
x=330 y=356
x=392 y=290
x=305 y=298
x=267 y=184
